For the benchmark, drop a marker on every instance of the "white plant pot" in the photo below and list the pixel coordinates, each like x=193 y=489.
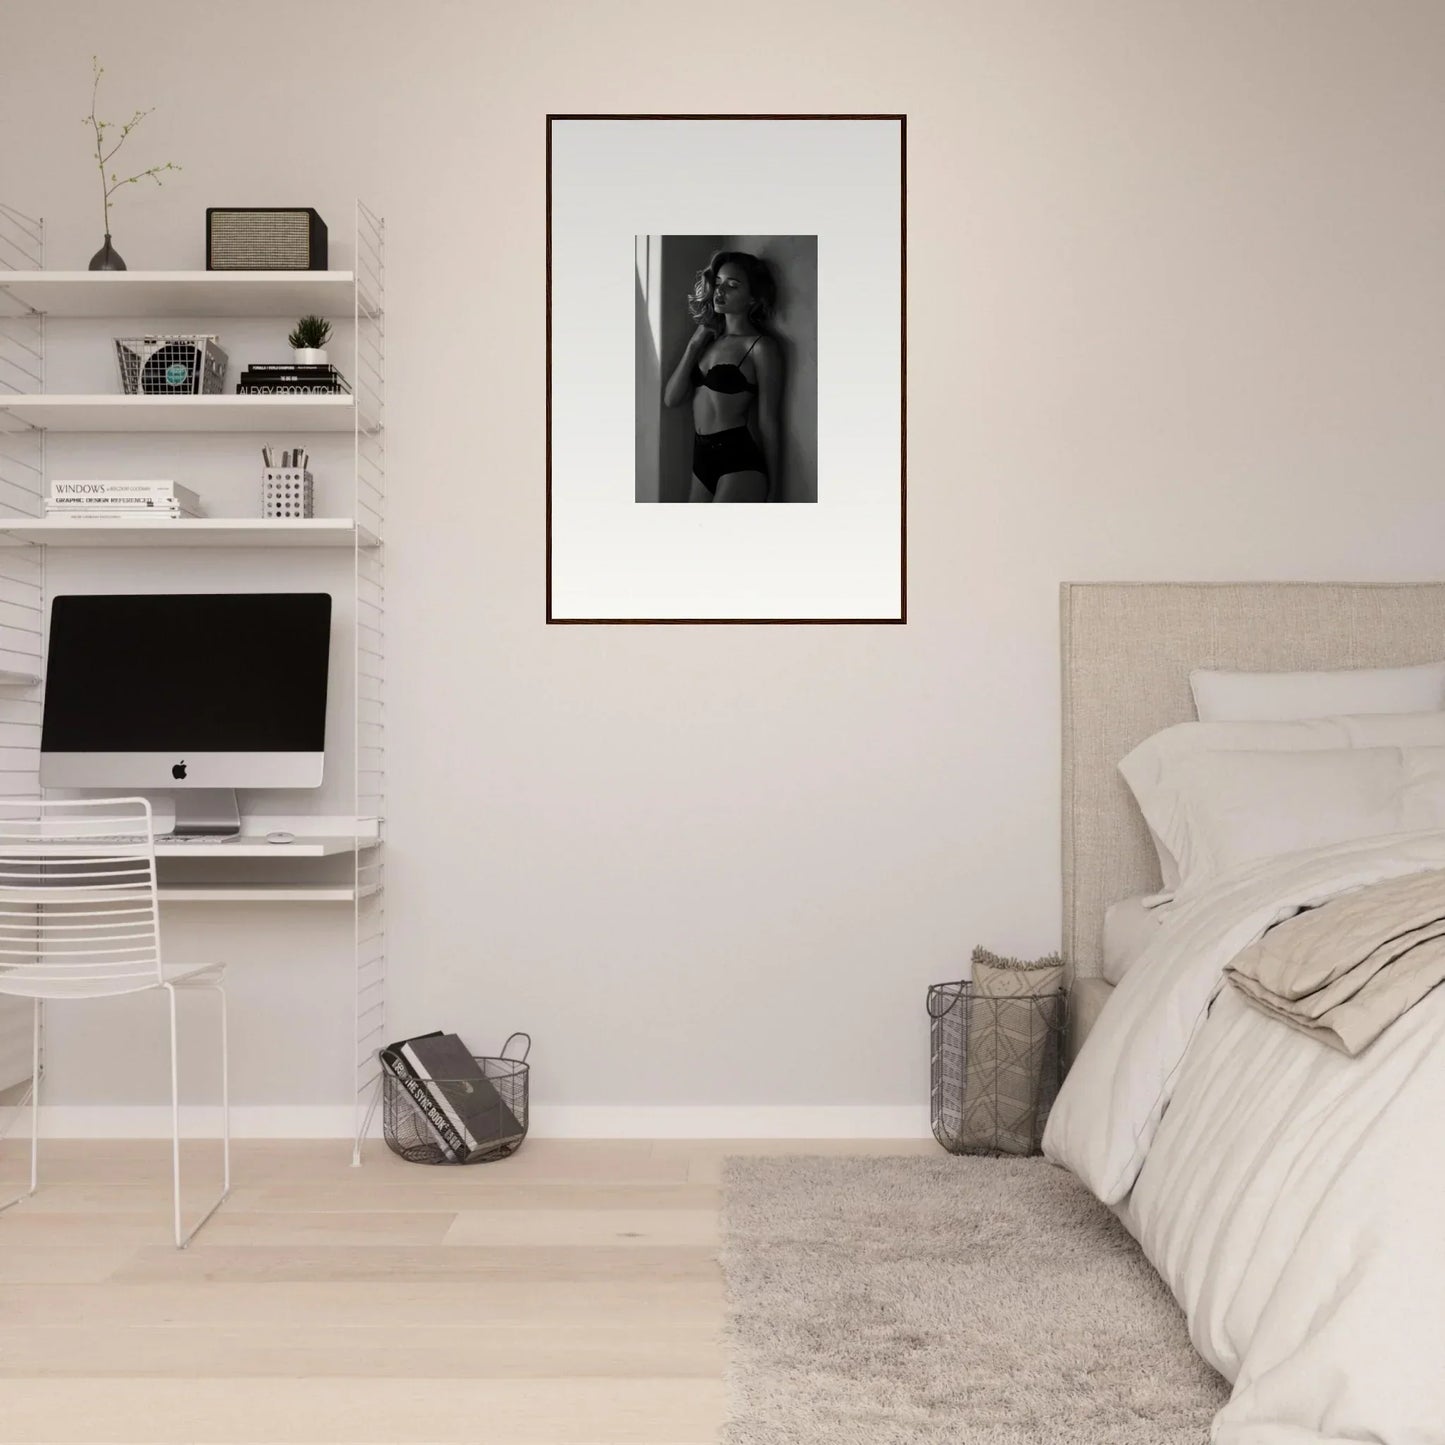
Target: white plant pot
x=309 y=356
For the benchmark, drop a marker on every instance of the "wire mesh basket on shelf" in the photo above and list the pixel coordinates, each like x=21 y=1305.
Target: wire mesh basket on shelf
x=413 y=1127
x=181 y=365
x=996 y=1068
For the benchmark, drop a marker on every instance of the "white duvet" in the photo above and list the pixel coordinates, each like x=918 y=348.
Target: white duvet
x=1293 y=1198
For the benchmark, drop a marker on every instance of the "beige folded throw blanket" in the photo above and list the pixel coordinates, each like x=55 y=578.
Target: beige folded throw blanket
x=1345 y=971
x=1009 y=1035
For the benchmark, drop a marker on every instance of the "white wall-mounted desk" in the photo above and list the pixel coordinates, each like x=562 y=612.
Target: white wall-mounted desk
x=246 y=846
x=244 y=885
x=361 y=882
x=263 y=892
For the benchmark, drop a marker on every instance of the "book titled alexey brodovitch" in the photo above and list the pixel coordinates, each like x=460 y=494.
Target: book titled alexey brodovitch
x=469 y=1118
x=291 y=379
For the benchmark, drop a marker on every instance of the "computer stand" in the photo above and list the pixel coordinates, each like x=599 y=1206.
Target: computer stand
x=206 y=812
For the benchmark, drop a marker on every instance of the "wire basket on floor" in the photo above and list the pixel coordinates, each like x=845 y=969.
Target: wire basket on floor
x=996 y=1068
x=410 y=1133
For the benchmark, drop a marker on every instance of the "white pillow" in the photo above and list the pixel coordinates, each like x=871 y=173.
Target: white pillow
x=1146 y=767
x=1218 y=810
x=1289 y=696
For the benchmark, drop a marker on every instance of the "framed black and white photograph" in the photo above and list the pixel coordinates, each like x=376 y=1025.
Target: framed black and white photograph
x=725 y=330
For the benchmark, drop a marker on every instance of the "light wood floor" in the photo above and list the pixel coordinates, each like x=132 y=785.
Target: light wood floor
x=569 y=1295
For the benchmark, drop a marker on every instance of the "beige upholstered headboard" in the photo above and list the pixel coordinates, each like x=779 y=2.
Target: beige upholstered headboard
x=1128 y=648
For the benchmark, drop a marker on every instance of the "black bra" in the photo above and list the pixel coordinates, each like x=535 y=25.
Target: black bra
x=726 y=377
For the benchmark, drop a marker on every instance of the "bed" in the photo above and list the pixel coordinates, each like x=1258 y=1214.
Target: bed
x=1291 y=1197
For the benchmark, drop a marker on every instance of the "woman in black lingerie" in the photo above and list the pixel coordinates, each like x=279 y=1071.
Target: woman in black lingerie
x=733 y=371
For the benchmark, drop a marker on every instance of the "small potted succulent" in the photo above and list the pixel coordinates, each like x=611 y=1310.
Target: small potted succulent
x=308 y=340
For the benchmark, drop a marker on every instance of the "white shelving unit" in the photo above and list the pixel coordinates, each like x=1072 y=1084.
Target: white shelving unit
x=30 y=296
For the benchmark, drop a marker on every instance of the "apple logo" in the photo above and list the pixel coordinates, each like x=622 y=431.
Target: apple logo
x=179 y=770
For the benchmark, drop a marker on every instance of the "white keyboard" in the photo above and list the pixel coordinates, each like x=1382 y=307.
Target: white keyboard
x=160 y=838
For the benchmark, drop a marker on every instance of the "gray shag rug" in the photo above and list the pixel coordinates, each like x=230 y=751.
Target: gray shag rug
x=946 y=1301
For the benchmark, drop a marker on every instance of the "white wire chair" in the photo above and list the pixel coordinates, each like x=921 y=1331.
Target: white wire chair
x=79 y=919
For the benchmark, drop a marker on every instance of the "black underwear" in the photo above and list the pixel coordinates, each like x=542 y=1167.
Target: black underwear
x=715 y=454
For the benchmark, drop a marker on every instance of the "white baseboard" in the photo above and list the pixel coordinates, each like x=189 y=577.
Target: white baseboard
x=554 y=1121
x=762 y=1121
x=153 y=1121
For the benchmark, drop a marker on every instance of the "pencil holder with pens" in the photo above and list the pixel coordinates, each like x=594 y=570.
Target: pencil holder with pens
x=287 y=492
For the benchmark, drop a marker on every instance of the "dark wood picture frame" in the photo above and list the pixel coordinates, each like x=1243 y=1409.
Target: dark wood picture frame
x=902 y=616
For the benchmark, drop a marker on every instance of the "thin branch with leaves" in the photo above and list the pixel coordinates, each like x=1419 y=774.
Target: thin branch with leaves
x=103 y=157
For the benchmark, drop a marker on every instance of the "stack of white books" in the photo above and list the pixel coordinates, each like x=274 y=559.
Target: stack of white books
x=143 y=501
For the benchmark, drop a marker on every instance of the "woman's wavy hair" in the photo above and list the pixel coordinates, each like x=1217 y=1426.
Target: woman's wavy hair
x=760 y=282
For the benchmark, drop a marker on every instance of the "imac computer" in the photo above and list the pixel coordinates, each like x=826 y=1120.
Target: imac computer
x=191 y=695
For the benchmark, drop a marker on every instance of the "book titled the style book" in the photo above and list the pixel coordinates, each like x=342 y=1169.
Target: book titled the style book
x=447 y=1138
x=462 y=1105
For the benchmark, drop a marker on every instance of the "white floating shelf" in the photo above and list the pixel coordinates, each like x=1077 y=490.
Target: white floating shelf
x=258 y=847
x=248 y=846
x=191 y=532
x=57 y=412
x=259 y=893
x=184 y=293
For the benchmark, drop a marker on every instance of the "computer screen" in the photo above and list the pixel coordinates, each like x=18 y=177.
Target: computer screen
x=186 y=690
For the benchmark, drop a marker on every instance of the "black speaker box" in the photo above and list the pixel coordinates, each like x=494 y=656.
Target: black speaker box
x=264 y=238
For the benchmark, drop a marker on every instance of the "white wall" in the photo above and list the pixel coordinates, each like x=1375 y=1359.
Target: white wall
x=1176 y=304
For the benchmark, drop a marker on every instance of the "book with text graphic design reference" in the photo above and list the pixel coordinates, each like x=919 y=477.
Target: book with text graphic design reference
x=469 y=1099
x=162 y=493
x=452 y=1145
x=119 y=499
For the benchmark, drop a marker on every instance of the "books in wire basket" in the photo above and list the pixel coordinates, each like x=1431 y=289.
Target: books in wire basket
x=442 y=1099
x=144 y=500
